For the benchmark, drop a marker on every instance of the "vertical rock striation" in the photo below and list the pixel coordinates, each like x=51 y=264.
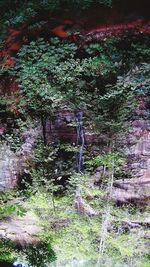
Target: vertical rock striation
x=136 y=189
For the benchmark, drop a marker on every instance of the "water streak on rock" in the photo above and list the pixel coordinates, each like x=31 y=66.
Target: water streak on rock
x=80 y=140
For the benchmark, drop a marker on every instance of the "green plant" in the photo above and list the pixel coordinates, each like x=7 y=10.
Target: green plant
x=49 y=172
x=7 y=250
x=7 y=207
x=74 y=181
x=51 y=77
x=13 y=140
x=21 y=11
x=40 y=254
x=35 y=255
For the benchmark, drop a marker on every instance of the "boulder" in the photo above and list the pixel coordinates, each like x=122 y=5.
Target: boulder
x=82 y=207
x=22 y=230
x=13 y=164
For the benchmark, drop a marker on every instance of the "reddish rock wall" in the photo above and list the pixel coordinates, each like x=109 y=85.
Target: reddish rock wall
x=63 y=128
x=136 y=189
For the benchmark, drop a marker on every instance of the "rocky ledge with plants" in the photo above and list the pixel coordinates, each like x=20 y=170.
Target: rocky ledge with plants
x=75 y=135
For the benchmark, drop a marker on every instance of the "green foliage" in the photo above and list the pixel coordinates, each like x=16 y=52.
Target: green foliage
x=122 y=52
x=53 y=75
x=12 y=136
x=13 y=140
x=40 y=254
x=7 y=210
x=118 y=102
x=39 y=68
x=3 y=104
x=52 y=165
x=84 y=4
x=6 y=109
x=17 y=12
x=77 y=236
x=108 y=54
x=39 y=96
x=7 y=249
x=68 y=148
x=8 y=207
x=50 y=76
x=124 y=247
x=108 y=160
x=76 y=179
x=35 y=255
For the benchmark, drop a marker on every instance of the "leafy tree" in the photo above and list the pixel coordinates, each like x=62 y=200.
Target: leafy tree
x=50 y=77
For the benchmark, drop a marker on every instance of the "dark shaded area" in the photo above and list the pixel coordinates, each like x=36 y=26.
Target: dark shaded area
x=5 y=264
x=136 y=7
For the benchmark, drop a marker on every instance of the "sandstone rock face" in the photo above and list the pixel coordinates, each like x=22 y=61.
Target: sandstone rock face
x=9 y=166
x=137 y=151
x=13 y=164
x=63 y=128
x=22 y=230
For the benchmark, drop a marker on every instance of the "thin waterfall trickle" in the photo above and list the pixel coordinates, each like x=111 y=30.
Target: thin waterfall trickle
x=79 y=157
x=80 y=140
